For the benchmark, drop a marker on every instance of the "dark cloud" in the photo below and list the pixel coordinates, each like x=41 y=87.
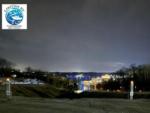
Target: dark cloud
x=80 y=35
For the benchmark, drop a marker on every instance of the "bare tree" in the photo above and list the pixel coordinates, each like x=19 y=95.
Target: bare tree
x=5 y=63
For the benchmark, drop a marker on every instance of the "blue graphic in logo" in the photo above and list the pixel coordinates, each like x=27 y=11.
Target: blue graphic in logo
x=14 y=16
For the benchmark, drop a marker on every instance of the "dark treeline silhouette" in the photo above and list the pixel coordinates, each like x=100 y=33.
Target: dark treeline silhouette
x=55 y=78
x=6 y=67
x=139 y=74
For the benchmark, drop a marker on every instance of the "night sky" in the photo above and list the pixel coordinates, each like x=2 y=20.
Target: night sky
x=80 y=35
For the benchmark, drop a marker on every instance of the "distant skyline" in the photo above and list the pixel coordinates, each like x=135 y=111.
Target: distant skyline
x=80 y=35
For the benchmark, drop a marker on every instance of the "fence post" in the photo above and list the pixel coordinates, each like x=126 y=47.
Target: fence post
x=131 y=90
x=8 y=88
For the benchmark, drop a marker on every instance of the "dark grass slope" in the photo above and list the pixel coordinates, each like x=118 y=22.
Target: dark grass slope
x=46 y=91
x=50 y=91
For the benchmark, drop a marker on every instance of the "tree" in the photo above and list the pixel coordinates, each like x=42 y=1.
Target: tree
x=5 y=63
x=139 y=74
x=29 y=69
x=5 y=67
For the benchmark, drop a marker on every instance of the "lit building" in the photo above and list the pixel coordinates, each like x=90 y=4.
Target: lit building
x=87 y=82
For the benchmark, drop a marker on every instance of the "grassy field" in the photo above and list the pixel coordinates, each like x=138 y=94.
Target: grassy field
x=43 y=105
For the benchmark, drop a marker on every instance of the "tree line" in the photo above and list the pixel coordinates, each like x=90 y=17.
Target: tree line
x=140 y=74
